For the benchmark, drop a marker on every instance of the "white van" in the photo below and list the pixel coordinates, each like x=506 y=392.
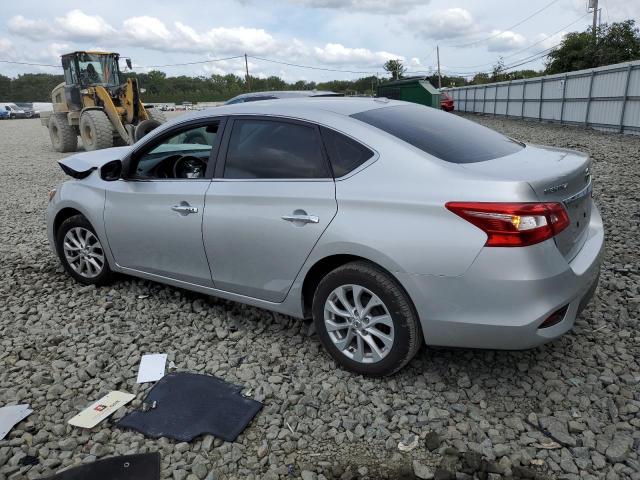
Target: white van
x=13 y=110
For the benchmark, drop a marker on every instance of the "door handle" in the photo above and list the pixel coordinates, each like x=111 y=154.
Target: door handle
x=184 y=209
x=301 y=218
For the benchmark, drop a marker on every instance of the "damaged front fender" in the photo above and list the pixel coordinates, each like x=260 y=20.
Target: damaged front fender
x=82 y=164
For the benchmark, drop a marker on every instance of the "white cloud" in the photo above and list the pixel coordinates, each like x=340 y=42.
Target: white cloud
x=77 y=25
x=5 y=45
x=505 y=41
x=74 y=25
x=335 y=53
x=548 y=41
x=369 y=6
x=439 y=24
x=152 y=33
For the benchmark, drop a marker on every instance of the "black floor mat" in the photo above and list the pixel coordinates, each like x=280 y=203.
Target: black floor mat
x=143 y=466
x=188 y=405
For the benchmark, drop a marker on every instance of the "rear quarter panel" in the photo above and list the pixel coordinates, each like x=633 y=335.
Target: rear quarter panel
x=393 y=212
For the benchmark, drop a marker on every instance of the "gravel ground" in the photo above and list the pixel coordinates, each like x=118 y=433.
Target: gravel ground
x=567 y=410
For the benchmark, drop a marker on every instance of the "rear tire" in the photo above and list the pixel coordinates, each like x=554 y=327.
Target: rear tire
x=144 y=127
x=81 y=252
x=389 y=332
x=63 y=135
x=96 y=130
x=155 y=114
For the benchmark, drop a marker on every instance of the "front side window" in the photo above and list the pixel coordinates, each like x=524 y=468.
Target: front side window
x=98 y=69
x=445 y=136
x=274 y=149
x=182 y=155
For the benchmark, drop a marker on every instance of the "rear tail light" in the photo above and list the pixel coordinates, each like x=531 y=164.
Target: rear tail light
x=513 y=224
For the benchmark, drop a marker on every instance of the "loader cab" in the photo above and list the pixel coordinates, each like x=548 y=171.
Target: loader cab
x=86 y=69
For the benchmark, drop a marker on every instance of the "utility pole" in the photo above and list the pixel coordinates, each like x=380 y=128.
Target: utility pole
x=246 y=67
x=439 y=76
x=594 y=5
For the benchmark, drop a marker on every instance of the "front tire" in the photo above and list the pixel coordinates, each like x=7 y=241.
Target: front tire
x=63 y=136
x=81 y=252
x=96 y=130
x=365 y=320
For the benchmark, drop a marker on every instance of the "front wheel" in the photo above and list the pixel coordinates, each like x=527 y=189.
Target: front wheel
x=81 y=252
x=365 y=320
x=96 y=130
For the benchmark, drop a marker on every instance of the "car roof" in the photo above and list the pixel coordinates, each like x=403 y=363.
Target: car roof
x=286 y=94
x=302 y=108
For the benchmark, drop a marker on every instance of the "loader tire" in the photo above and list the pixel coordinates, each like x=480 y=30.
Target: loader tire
x=145 y=127
x=63 y=135
x=155 y=114
x=96 y=130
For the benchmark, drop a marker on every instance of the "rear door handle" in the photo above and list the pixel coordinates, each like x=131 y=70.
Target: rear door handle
x=301 y=218
x=184 y=209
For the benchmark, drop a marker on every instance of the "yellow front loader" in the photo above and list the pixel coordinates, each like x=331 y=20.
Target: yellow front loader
x=97 y=104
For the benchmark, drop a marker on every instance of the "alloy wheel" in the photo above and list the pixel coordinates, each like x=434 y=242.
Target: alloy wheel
x=83 y=252
x=358 y=323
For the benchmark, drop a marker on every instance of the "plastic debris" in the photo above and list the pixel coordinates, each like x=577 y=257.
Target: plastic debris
x=151 y=367
x=11 y=415
x=98 y=411
x=143 y=466
x=408 y=446
x=547 y=446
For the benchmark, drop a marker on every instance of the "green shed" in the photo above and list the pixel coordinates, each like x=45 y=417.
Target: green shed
x=415 y=89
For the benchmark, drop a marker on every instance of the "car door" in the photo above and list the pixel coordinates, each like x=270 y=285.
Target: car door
x=270 y=201
x=153 y=219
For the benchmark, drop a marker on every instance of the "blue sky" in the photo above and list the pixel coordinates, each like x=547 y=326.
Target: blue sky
x=357 y=35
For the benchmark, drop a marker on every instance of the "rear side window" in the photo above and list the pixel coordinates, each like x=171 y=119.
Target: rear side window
x=345 y=154
x=274 y=149
x=443 y=135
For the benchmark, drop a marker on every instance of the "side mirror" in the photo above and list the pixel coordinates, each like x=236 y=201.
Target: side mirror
x=111 y=171
x=128 y=60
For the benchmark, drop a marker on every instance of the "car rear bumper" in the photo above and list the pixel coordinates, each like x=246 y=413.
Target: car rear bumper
x=507 y=293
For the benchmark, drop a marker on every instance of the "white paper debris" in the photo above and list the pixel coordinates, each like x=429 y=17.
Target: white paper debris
x=152 y=367
x=407 y=447
x=11 y=415
x=98 y=411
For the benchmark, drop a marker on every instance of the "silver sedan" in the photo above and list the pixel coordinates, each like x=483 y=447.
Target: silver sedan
x=390 y=224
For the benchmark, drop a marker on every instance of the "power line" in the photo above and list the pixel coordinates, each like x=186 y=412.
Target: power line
x=31 y=64
x=310 y=67
x=506 y=29
x=192 y=63
x=513 y=54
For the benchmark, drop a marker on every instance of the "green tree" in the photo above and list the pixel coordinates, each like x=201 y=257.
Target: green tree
x=5 y=89
x=615 y=43
x=395 y=68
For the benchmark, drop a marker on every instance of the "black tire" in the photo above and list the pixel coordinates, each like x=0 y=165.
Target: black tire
x=63 y=136
x=105 y=276
x=406 y=325
x=144 y=127
x=155 y=114
x=96 y=130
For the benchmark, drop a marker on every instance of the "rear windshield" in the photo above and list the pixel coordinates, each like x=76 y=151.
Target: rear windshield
x=443 y=135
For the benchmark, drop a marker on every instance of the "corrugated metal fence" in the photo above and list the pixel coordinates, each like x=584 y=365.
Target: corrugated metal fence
x=605 y=98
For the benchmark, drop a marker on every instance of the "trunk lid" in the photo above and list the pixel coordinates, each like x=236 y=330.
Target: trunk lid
x=555 y=175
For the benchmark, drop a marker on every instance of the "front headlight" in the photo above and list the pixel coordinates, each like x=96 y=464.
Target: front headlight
x=52 y=194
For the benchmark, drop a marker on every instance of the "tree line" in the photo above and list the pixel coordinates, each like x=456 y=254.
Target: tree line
x=615 y=43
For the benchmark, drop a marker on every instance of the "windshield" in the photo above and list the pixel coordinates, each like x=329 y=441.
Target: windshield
x=443 y=135
x=96 y=68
